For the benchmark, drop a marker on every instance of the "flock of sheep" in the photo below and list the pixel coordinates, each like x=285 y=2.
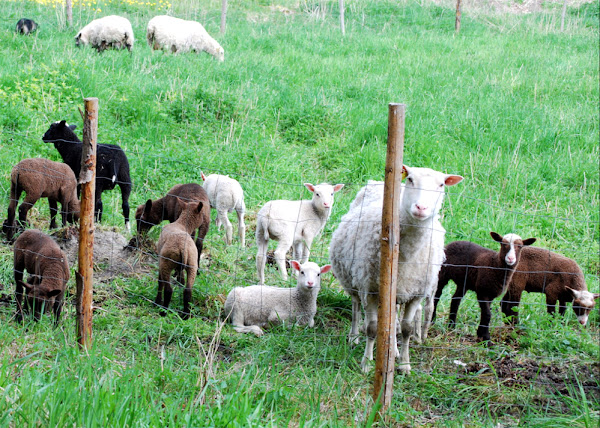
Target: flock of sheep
x=425 y=266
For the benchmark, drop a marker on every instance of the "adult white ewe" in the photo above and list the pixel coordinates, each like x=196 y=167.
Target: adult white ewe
x=355 y=254
x=108 y=32
x=179 y=35
x=225 y=195
x=250 y=308
x=292 y=223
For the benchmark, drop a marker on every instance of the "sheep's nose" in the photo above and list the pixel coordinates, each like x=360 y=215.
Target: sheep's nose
x=510 y=260
x=421 y=207
x=310 y=283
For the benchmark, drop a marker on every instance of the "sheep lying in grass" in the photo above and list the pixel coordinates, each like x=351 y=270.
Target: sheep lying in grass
x=177 y=252
x=42 y=178
x=26 y=26
x=112 y=166
x=558 y=277
x=225 y=195
x=167 y=208
x=486 y=272
x=294 y=224
x=253 y=307
x=178 y=35
x=108 y=32
x=46 y=264
x=355 y=254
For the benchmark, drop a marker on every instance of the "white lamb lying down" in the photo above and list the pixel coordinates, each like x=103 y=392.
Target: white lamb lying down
x=253 y=307
x=179 y=35
x=108 y=32
x=355 y=253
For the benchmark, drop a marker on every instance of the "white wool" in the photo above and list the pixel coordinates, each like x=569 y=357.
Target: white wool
x=225 y=195
x=109 y=31
x=178 y=35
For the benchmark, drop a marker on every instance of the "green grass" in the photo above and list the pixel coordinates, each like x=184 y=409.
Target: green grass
x=510 y=103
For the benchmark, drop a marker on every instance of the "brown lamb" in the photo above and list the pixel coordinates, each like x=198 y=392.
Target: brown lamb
x=177 y=252
x=42 y=178
x=46 y=264
x=558 y=277
x=154 y=212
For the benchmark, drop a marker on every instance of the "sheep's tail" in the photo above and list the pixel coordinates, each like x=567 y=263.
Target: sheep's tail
x=262 y=223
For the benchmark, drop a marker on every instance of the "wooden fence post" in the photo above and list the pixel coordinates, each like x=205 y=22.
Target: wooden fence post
x=342 y=23
x=562 y=16
x=390 y=236
x=87 y=179
x=69 y=8
x=458 y=16
x=223 y=15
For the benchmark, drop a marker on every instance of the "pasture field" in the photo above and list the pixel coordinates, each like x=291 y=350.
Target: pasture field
x=510 y=103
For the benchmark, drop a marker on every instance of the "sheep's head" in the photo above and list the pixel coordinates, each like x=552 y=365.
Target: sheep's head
x=220 y=54
x=309 y=274
x=423 y=192
x=60 y=131
x=510 y=246
x=81 y=38
x=323 y=195
x=73 y=210
x=40 y=297
x=583 y=303
x=143 y=217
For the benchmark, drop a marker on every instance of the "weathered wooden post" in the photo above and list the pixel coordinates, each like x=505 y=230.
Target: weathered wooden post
x=562 y=16
x=223 y=15
x=342 y=23
x=458 y=15
x=87 y=179
x=69 y=8
x=390 y=237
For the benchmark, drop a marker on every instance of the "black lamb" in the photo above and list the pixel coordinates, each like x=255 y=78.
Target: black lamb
x=112 y=167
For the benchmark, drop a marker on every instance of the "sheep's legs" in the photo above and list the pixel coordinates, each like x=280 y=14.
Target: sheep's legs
x=222 y=218
x=19 y=289
x=370 y=329
x=241 y=226
x=261 y=260
x=187 y=292
x=483 y=331
x=427 y=321
x=9 y=226
x=455 y=303
x=282 y=248
x=25 y=206
x=410 y=308
x=125 y=191
x=356 y=314
x=508 y=303
x=54 y=210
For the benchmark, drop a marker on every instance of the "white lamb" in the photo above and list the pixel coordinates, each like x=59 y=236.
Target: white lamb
x=108 y=32
x=355 y=254
x=225 y=195
x=253 y=307
x=292 y=223
x=179 y=35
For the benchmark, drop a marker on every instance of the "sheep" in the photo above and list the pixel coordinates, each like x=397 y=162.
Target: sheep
x=560 y=278
x=178 y=35
x=225 y=195
x=293 y=224
x=108 y=32
x=253 y=307
x=46 y=264
x=42 y=178
x=154 y=212
x=26 y=26
x=355 y=254
x=486 y=272
x=112 y=166
x=177 y=251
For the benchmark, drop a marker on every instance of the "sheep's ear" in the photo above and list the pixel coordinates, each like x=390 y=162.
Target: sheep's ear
x=62 y=123
x=576 y=293
x=496 y=237
x=148 y=206
x=203 y=176
x=199 y=207
x=295 y=265
x=72 y=127
x=404 y=171
x=451 y=180
x=529 y=241
x=596 y=295
x=309 y=187
x=337 y=187
x=325 y=268
x=53 y=293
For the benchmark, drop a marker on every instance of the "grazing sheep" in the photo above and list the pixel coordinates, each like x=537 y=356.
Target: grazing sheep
x=253 y=307
x=177 y=251
x=294 y=224
x=42 y=178
x=560 y=278
x=225 y=195
x=167 y=208
x=486 y=272
x=46 y=264
x=26 y=26
x=355 y=253
x=108 y=32
x=112 y=167
x=179 y=35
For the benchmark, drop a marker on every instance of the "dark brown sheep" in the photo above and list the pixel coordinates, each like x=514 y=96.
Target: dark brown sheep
x=42 y=178
x=46 y=264
x=154 y=212
x=176 y=251
x=560 y=278
x=488 y=273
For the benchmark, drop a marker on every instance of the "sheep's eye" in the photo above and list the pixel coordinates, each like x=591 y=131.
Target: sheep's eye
x=301 y=272
x=410 y=180
x=318 y=274
x=441 y=185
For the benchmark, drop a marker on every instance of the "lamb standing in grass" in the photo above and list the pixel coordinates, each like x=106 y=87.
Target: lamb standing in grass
x=178 y=35
x=108 y=32
x=292 y=223
x=355 y=253
x=225 y=195
x=250 y=308
x=26 y=26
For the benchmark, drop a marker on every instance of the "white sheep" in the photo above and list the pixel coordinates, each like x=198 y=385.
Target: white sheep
x=356 y=246
x=108 y=32
x=293 y=224
x=253 y=307
x=179 y=35
x=225 y=195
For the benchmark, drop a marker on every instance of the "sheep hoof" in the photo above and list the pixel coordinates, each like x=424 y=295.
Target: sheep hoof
x=364 y=365
x=353 y=340
x=403 y=368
